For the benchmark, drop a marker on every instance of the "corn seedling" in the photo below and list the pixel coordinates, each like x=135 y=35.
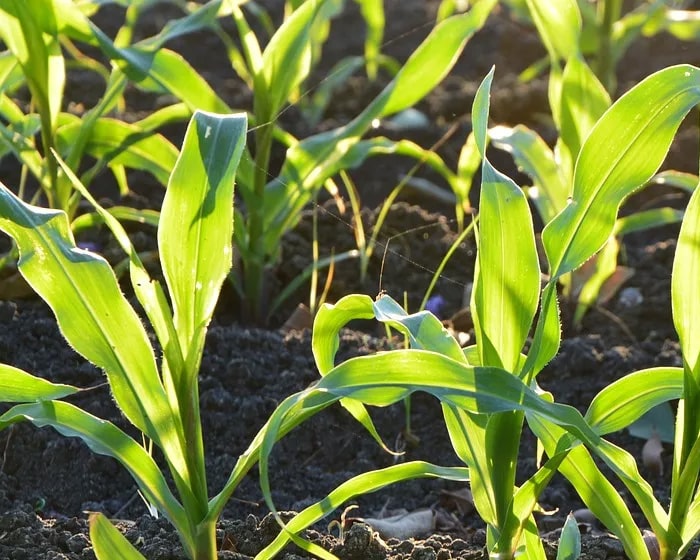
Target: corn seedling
x=577 y=100
x=42 y=41
x=194 y=238
x=608 y=33
x=274 y=206
x=489 y=389
x=623 y=151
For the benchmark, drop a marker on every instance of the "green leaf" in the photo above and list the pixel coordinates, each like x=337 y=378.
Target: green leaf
x=149 y=293
x=685 y=303
x=526 y=498
x=570 y=540
x=686 y=181
x=622 y=152
x=423 y=329
x=196 y=224
x=164 y=71
x=685 y=297
x=362 y=484
x=583 y=102
x=325 y=341
x=105 y=438
x=31 y=33
x=647 y=219
x=119 y=143
x=531 y=154
x=507 y=277
x=329 y=320
x=108 y=542
x=624 y=401
x=286 y=60
x=249 y=42
x=94 y=316
x=19 y=386
x=432 y=60
x=83 y=293
x=466 y=433
x=121 y=213
x=559 y=26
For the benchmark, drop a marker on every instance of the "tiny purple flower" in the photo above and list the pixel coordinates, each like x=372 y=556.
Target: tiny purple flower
x=435 y=305
x=89 y=246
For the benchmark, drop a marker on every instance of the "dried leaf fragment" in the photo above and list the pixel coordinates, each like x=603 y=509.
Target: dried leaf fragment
x=404 y=526
x=651 y=454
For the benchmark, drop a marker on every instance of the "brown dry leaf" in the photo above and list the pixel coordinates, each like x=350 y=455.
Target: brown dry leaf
x=299 y=320
x=651 y=454
x=403 y=526
x=652 y=544
x=613 y=284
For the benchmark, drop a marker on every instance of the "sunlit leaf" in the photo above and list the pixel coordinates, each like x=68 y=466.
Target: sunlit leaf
x=108 y=542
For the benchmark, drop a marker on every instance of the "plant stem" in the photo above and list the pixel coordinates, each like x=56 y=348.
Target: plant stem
x=608 y=13
x=205 y=542
x=255 y=264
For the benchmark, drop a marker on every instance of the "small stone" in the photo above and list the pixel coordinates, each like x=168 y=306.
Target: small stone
x=631 y=297
x=77 y=543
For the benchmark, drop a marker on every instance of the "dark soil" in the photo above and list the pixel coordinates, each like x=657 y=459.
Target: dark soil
x=49 y=483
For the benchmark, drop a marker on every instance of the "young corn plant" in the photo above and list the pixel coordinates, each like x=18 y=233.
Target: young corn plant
x=273 y=207
x=44 y=42
x=608 y=33
x=624 y=150
x=577 y=100
x=483 y=389
x=98 y=322
x=489 y=389
x=41 y=41
x=194 y=238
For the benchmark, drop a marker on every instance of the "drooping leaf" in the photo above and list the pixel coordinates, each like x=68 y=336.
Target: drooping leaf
x=622 y=402
x=307 y=162
x=19 y=386
x=93 y=315
x=423 y=329
x=105 y=438
x=120 y=143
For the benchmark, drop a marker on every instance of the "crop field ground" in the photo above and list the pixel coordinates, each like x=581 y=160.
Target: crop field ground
x=49 y=483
